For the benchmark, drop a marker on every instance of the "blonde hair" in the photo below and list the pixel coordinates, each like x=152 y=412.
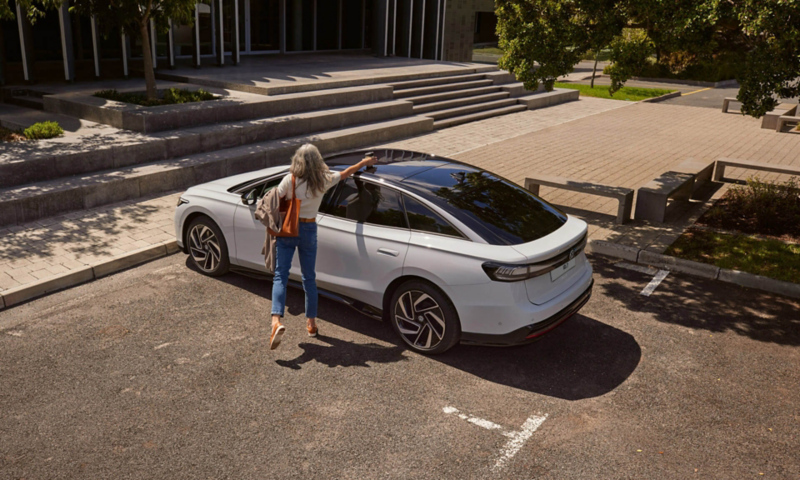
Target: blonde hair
x=308 y=166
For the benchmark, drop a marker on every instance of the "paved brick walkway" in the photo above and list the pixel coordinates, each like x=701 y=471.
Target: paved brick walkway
x=595 y=140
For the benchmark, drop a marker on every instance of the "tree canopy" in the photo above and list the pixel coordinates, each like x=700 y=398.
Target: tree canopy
x=543 y=39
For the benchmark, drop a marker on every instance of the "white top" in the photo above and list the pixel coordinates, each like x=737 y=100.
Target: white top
x=309 y=206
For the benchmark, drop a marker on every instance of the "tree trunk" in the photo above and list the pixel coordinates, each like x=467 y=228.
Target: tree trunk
x=594 y=71
x=147 y=59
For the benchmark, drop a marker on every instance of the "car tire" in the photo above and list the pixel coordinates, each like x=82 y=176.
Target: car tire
x=424 y=318
x=207 y=247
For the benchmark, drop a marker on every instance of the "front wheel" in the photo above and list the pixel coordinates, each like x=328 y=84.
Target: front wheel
x=424 y=318
x=207 y=247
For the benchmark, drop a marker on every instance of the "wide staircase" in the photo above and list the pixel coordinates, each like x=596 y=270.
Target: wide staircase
x=458 y=99
x=110 y=165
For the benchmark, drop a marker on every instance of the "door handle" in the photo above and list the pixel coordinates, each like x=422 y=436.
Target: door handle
x=386 y=251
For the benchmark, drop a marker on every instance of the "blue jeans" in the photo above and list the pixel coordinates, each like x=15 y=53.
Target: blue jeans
x=306 y=243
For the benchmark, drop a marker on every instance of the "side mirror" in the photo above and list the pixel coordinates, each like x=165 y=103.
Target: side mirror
x=249 y=198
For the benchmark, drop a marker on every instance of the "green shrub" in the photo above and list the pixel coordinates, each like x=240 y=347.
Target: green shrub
x=42 y=130
x=774 y=206
x=170 y=96
x=715 y=70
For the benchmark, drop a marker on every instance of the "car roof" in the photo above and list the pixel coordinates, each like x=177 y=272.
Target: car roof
x=393 y=164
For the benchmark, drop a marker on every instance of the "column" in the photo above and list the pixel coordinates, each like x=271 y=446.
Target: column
x=315 y=26
x=422 y=30
x=66 y=41
x=95 y=46
x=196 y=37
x=235 y=33
x=247 y=40
x=410 y=25
x=438 y=21
x=220 y=39
x=364 y=23
x=340 y=25
x=444 y=18
x=26 y=45
x=171 y=45
x=282 y=23
x=153 y=38
x=126 y=48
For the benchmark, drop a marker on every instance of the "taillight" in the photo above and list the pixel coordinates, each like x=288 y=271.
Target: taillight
x=515 y=273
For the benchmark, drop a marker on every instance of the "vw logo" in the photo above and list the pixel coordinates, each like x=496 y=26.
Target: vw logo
x=571 y=254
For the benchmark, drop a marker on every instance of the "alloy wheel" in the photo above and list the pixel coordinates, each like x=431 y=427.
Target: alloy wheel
x=204 y=248
x=419 y=319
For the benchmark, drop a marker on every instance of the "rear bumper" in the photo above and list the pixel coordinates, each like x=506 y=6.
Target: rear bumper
x=529 y=333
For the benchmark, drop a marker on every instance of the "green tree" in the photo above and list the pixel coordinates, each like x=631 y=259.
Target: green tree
x=133 y=17
x=543 y=39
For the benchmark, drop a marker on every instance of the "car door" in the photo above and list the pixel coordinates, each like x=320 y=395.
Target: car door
x=362 y=241
x=249 y=232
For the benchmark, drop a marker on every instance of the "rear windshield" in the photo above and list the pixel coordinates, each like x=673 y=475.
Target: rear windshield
x=497 y=210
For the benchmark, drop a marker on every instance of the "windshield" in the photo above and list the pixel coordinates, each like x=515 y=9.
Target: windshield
x=496 y=209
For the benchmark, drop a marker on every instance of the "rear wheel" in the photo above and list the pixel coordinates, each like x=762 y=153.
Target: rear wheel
x=207 y=247
x=424 y=318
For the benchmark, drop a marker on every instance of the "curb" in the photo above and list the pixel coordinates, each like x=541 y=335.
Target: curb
x=14 y=296
x=666 y=96
x=695 y=83
x=703 y=270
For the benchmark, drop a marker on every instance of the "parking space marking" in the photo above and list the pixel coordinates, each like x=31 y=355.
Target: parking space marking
x=658 y=275
x=651 y=287
x=516 y=439
x=697 y=91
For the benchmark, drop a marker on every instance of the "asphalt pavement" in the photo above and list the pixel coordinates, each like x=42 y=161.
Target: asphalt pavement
x=161 y=372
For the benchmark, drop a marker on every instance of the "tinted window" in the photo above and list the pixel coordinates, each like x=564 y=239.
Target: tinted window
x=264 y=189
x=422 y=218
x=497 y=210
x=369 y=203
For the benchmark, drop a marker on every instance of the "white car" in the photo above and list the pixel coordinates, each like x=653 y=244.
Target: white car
x=445 y=251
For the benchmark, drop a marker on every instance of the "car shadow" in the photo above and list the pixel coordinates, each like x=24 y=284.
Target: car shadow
x=582 y=358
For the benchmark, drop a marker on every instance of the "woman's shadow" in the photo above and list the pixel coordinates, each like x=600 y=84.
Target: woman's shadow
x=341 y=353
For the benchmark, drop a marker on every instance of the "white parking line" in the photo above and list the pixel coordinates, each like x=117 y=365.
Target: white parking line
x=658 y=275
x=650 y=288
x=516 y=439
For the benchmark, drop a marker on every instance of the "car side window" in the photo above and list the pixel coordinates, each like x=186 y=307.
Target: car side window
x=266 y=187
x=366 y=202
x=424 y=219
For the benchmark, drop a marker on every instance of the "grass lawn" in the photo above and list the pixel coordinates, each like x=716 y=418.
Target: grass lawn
x=631 y=94
x=770 y=258
x=488 y=50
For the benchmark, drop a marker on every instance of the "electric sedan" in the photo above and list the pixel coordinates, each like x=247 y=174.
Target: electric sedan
x=444 y=251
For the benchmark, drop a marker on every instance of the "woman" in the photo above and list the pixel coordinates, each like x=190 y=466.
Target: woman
x=313 y=179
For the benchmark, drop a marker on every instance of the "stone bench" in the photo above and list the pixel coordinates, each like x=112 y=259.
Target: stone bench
x=726 y=102
x=784 y=119
x=770 y=120
x=719 y=173
x=652 y=198
x=623 y=195
x=702 y=171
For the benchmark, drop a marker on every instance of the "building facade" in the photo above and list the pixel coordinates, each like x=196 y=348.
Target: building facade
x=64 y=45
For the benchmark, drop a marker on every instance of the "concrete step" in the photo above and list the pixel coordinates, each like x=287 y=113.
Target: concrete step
x=57 y=159
x=453 y=121
x=448 y=87
x=46 y=199
x=440 y=97
x=458 y=102
x=468 y=109
x=27 y=101
x=547 y=99
x=425 y=82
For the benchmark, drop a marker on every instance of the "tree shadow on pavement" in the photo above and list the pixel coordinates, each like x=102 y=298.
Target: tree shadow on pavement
x=582 y=358
x=709 y=305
